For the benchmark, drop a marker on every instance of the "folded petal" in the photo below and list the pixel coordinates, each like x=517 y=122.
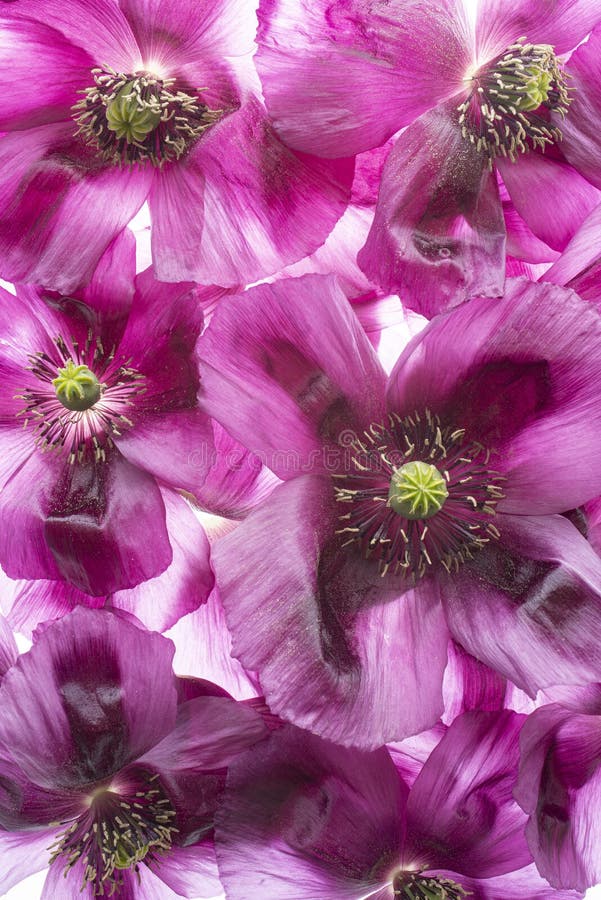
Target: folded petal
x=438 y=234
x=337 y=648
x=61 y=208
x=461 y=812
x=522 y=382
x=528 y=605
x=242 y=205
x=563 y=23
x=185 y=584
x=95 y=692
x=372 y=66
x=286 y=367
x=236 y=480
x=550 y=195
x=560 y=789
x=98 y=517
x=310 y=819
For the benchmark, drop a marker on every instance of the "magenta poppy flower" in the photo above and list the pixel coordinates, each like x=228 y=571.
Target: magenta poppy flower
x=481 y=101
x=306 y=820
x=113 y=104
x=98 y=409
x=111 y=773
x=560 y=774
x=412 y=507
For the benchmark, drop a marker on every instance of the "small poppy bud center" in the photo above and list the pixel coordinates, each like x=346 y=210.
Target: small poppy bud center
x=417 y=490
x=130 y=117
x=76 y=387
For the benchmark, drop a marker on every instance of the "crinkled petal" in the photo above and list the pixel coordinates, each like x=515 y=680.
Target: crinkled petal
x=563 y=23
x=96 y=522
x=203 y=646
x=242 y=205
x=438 y=234
x=338 y=649
x=560 y=789
x=286 y=367
x=372 y=67
x=522 y=381
x=98 y=26
x=94 y=693
x=550 y=195
x=529 y=605
x=61 y=208
x=309 y=819
x=23 y=854
x=461 y=812
x=41 y=73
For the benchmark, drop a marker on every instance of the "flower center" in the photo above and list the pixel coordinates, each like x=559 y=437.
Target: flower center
x=78 y=397
x=132 y=118
x=413 y=886
x=76 y=387
x=420 y=496
x=508 y=108
x=417 y=490
x=119 y=830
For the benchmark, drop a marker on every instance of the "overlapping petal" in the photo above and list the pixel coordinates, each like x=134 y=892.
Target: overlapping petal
x=342 y=77
x=438 y=233
x=88 y=695
x=529 y=606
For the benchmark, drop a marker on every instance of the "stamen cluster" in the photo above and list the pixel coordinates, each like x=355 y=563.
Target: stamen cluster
x=403 y=543
x=414 y=886
x=134 y=118
x=507 y=110
x=61 y=426
x=117 y=832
